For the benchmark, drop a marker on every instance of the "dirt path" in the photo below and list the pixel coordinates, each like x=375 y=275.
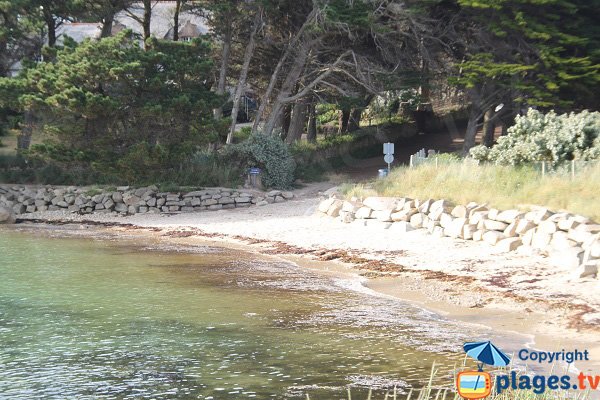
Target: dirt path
x=357 y=170
x=445 y=141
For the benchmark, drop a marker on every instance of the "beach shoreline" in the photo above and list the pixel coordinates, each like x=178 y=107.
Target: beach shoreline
x=439 y=279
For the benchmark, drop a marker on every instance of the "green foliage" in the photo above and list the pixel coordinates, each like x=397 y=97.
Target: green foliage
x=323 y=143
x=482 y=67
x=546 y=137
x=142 y=163
x=200 y=169
x=326 y=113
x=354 y=13
x=18 y=169
x=557 y=51
x=409 y=99
x=94 y=191
x=118 y=109
x=242 y=135
x=208 y=169
x=311 y=172
x=268 y=153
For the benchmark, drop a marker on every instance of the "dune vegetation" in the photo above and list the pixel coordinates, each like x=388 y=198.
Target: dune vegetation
x=503 y=187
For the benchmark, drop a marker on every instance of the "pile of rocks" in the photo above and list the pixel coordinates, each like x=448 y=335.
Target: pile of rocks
x=126 y=200
x=569 y=240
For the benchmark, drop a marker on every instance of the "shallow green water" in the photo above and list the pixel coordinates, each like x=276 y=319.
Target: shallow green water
x=113 y=318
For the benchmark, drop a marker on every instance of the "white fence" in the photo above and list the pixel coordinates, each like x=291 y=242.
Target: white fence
x=567 y=168
x=571 y=168
x=423 y=156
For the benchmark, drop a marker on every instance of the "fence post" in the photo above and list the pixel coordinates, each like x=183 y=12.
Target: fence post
x=543 y=168
x=411 y=161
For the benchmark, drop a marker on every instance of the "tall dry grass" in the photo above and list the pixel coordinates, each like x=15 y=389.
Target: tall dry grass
x=502 y=187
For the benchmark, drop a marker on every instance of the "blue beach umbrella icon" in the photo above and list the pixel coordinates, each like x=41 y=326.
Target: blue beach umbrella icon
x=486 y=353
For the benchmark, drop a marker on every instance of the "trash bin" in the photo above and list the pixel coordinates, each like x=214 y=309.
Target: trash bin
x=383 y=173
x=254 y=178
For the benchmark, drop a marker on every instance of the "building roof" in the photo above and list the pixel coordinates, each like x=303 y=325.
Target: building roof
x=163 y=14
x=161 y=23
x=78 y=31
x=187 y=30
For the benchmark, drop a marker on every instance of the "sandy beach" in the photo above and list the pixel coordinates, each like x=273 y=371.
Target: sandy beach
x=467 y=281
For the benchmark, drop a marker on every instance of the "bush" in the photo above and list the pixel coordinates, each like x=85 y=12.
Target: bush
x=550 y=137
x=243 y=134
x=209 y=169
x=141 y=167
x=270 y=154
x=20 y=169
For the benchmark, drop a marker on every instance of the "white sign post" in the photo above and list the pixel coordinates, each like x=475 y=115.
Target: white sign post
x=388 y=151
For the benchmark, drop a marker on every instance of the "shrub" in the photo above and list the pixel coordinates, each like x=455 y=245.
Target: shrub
x=209 y=169
x=270 y=154
x=243 y=134
x=142 y=163
x=550 y=137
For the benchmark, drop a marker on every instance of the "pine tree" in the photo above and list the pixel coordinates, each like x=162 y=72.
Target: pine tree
x=112 y=103
x=527 y=52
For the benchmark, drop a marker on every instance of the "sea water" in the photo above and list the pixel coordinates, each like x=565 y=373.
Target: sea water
x=111 y=317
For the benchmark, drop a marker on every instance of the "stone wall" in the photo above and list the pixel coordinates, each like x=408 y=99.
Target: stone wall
x=126 y=200
x=568 y=240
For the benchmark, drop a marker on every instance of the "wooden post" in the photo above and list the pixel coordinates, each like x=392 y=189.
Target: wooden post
x=411 y=161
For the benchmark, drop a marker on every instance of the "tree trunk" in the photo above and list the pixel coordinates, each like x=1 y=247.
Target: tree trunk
x=146 y=21
x=286 y=88
x=176 y=20
x=344 y=118
x=275 y=75
x=286 y=119
x=24 y=138
x=356 y=115
x=420 y=117
x=226 y=50
x=107 y=23
x=298 y=122
x=239 y=91
x=354 y=121
x=507 y=121
x=293 y=76
x=311 y=134
x=489 y=128
x=51 y=26
x=471 y=132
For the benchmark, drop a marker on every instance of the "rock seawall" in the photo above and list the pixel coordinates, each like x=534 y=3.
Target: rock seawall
x=566 y=239
x=6 y=216
x=126 y=200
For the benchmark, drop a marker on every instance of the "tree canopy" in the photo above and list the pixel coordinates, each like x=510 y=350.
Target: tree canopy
x=288 y=67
